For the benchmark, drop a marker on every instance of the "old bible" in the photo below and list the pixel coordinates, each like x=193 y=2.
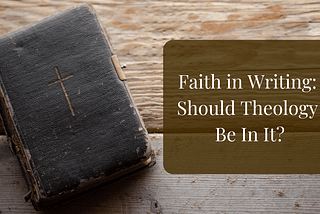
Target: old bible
x=67 y=109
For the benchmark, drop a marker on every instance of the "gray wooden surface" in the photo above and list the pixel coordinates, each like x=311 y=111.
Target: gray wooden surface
x=156 y=191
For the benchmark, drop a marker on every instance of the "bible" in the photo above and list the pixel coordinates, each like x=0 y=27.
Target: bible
x=67 y=109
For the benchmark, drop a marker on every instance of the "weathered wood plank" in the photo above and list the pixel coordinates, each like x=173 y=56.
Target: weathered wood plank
x=156 y=191
x=139 y=29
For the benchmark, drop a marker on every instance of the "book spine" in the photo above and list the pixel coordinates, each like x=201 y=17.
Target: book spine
x=7 y=116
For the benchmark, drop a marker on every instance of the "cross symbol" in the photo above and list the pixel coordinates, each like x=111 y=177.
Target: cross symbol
x=64 y=89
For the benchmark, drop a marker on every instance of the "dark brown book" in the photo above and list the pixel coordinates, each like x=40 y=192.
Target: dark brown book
x=67 y=109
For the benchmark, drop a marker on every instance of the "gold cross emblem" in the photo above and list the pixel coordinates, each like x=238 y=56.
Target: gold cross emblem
x=64 y=89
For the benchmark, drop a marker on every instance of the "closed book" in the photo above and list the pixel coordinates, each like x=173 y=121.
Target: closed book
x=67 y=109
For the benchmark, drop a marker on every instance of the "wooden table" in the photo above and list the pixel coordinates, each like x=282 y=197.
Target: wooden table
x=138 y=31
x=156 y=191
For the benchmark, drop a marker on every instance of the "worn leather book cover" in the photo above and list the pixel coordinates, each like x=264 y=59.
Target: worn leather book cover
x=67 y=109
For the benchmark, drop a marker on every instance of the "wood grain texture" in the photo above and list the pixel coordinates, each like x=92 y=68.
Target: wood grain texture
x=156 y=191
x=139 y=29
